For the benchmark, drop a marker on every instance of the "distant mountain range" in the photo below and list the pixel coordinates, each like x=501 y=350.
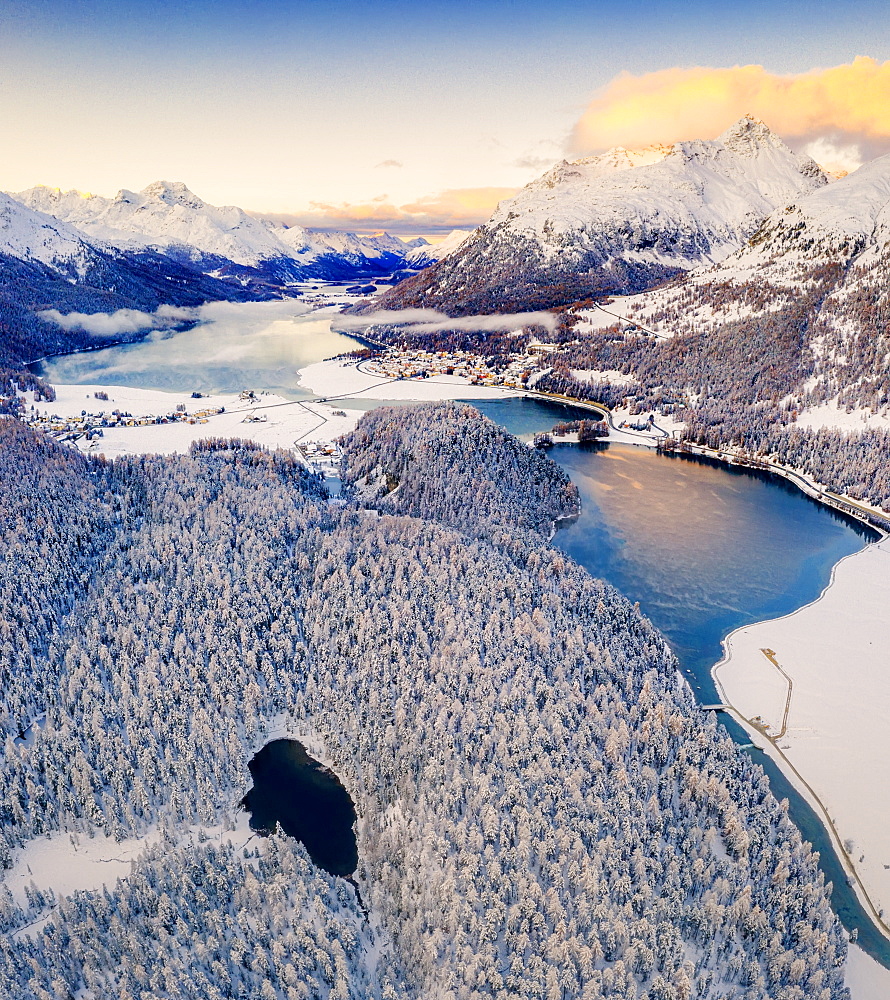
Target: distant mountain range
x=616 y=223
x=170 y=219
x=714 y=231
x=163 y=245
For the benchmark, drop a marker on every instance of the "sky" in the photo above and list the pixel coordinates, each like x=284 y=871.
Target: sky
x=414 y=117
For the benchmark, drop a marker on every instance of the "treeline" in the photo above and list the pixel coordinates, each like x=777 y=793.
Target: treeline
x=854 y=463
x=14 y=383
x=746 y=358
x=543 y=811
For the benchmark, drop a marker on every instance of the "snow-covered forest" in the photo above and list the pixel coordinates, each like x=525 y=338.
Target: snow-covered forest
x=459 y=455
x=543 y=810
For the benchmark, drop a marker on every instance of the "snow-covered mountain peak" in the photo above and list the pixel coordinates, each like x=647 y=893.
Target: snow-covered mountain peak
x=173 y=193
x=857 y=205
x=423 y=253
x=838 y=223
x=749 y=135
x=168 y=218
x=53 y=200
x=35 y=236
x=715 y=190
x=621 y=221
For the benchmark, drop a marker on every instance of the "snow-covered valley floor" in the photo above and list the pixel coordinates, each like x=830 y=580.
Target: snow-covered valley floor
x=269 y=419
x=339 y=376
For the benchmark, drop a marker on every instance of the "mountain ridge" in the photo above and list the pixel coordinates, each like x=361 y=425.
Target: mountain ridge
x=618 y=222
x=167 y=217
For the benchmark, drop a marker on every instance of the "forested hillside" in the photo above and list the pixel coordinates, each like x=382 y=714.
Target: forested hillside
x=543 y=811
x=743 y=361
x=463 y=470
x=142 y=281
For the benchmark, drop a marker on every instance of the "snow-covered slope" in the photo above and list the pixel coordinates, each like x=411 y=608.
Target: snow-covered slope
x=675 y=205
x=843 y=227
x=620 y=221
x=815 y=278
x=37 y=238
x=46 y=263
x=425 y=253
x=847 y=221
x=170 y=218
x=857 y=205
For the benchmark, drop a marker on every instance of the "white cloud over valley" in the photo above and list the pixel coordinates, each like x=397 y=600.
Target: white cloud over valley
x=431 y=321
x=121 y=320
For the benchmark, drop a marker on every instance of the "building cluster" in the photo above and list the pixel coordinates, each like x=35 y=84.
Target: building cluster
x=512 y=371
x=92 y=425
x=321 y=456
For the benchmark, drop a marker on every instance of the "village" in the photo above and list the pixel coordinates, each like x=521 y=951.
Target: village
x=91 y=426
x=520 y=372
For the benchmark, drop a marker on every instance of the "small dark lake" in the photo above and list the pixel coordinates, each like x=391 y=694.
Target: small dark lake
x=307 y=800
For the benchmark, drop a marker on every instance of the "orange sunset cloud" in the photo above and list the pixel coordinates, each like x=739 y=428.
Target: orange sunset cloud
x=456 y=208
x=838 y=106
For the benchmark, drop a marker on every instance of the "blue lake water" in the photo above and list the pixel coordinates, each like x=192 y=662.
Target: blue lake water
x=253 y=345
x=703 y=548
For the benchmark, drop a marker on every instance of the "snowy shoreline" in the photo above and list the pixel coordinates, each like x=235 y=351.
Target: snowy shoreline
x=874 y=517
x=838 y=694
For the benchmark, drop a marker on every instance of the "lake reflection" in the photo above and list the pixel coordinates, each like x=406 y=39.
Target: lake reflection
x=244 y=345
x=704 y=549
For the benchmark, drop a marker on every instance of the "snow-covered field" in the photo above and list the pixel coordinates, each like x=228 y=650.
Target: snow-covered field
x=610 y=375
x=269 y=420
x=68 y=862
x=829 y=415
x=835 y=653
x=865 y=978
